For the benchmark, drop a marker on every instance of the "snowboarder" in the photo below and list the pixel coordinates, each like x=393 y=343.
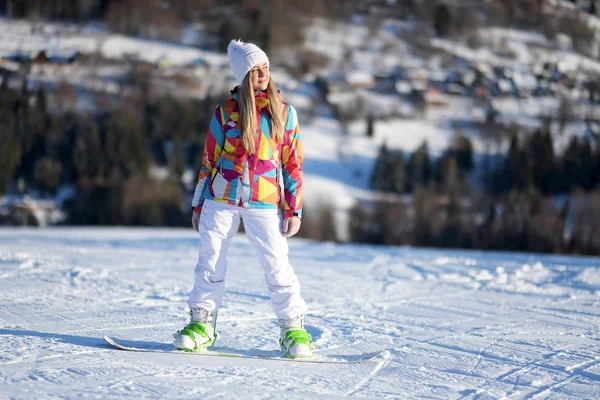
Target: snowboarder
x=252 y=141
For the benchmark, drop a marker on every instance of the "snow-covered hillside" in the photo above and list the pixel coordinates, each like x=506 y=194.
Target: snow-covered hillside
x=451 y=88
x=457 y=324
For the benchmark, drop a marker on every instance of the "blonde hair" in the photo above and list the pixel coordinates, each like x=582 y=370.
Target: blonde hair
x=247 y=116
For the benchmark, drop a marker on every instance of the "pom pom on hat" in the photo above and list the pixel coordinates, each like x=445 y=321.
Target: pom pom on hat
x=243 y=56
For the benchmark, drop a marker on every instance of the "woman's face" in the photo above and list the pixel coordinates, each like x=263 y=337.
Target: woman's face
x=259 y=76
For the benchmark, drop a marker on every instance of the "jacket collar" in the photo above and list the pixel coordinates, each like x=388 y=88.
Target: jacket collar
x=260 y=97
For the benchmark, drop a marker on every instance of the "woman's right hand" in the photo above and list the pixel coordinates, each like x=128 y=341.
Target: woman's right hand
x=195 y=220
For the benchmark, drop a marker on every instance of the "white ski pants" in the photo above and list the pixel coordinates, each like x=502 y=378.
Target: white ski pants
x=219 y=222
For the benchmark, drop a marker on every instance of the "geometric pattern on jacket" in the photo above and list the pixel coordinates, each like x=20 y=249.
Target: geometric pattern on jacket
x=230 y=176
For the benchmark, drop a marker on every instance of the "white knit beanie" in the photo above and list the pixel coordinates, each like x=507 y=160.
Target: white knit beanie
x=244 y=56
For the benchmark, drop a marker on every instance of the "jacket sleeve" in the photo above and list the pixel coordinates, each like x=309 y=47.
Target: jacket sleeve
x=212 y=151
x=291 y=158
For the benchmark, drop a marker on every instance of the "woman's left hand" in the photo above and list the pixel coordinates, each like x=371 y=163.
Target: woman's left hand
x=291 y=226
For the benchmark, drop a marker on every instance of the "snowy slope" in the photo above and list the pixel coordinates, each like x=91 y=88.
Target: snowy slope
x=59 y=38
x=457 y=324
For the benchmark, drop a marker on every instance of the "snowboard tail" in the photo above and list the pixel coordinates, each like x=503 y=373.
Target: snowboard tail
x=167 y=348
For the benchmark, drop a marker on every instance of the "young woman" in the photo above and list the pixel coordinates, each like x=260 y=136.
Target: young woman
x=253 y=139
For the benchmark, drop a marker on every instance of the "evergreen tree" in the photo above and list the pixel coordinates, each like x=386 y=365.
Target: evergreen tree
x=541 y=154
x=39 y=118
x=447 y=174
x=21 y=109
x=33 y=143
x=395 y=223
x=6 y=98
x=178 y=159
x=463 y=150
x=425 y=208
x=514 y=166
x=388 y=173
x=595 y=174
x=586 y=162
x=576 y=164
x=127 y=141
x=94 y=146
x=47 y=173
x=60 y=141
x=451 y=182
x=380 y=174
x=418 y=169
x=527 y=177
x=397 y=173
x=10 y=151
x=79 y=157
x=361 y=224
x=442 y=20
x=370 y=125
x=452 y=231
x=492 y=176
x=87 y=150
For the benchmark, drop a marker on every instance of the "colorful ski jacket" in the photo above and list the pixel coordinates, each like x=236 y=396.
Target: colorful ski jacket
x=229 y=175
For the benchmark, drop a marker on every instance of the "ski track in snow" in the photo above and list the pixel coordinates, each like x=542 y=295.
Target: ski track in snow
x=455 y=324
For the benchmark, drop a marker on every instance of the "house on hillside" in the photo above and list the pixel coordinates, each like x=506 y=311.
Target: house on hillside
x=65 y=57
x=435 y=97
x=359 y=79
x=457 y=81
x=25 y=211
x=199 y=66
x=332 y=83
x=17 y=57
x=419 y=78
x=524 y=82
x=384 y=83
x=8 y=68
x=40 y=57
x=184 y=80
x=403 y=87
x=163 y=63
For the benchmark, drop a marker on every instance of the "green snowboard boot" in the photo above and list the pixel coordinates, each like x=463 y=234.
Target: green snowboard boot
x=198 y=335
x=295 y=342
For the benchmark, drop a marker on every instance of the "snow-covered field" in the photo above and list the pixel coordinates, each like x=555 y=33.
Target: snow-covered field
x=457 y=324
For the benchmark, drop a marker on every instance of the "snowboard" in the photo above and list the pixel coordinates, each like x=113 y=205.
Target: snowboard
x=167 y=348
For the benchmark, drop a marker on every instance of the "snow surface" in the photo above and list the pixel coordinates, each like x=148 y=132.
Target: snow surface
x=457 y=324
